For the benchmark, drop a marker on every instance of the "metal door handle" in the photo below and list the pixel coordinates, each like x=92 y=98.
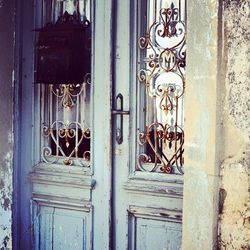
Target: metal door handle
x=119 y=112
x=119 y=118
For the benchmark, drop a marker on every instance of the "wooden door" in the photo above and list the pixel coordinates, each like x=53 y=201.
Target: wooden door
x=57 y=207
x=147 y=169
x=123 y=189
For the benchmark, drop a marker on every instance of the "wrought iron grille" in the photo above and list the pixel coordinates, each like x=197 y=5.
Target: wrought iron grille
x=161 y=80
x=65 y=108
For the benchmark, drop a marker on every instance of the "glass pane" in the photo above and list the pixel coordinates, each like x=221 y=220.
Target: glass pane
x=65 y=108
x=161 y=86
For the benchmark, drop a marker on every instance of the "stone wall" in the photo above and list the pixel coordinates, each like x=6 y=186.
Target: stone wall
x=234 y=218
x=6 y=119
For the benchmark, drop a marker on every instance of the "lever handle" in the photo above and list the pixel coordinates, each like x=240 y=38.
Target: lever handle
x=119 y=118
x=119 y=112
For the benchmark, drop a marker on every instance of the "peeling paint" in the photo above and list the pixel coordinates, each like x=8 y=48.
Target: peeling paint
x=6 y=182
x=5 y=201
x=6 y=119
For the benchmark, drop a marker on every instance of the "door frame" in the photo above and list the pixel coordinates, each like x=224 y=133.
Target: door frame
x=22 y=161
x=102 y=139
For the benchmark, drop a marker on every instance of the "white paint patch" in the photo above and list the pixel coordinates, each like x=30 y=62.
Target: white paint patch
x=9 y=138
x=5 y=201
x=5 y=229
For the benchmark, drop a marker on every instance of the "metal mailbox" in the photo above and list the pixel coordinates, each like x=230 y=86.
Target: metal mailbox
x=63 y=51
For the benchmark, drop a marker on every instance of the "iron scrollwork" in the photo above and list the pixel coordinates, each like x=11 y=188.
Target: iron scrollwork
x=66 y=136
x=162 y=75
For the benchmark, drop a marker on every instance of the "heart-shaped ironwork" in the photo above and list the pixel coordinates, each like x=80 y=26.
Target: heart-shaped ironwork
x=154 y=140
x=60 y=130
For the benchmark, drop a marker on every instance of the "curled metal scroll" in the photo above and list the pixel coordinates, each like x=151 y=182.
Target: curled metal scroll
x=65 y=140
x=162 y=73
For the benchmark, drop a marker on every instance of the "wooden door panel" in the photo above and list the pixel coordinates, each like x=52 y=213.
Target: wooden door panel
x=60 y=189
x=147 y=170
x=61 y=228
x=44 y=228
x=62 y=209
x=156 y=234
x=69 y=230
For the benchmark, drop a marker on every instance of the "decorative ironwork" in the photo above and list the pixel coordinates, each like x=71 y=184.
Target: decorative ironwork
x=162 y=85
x=67 y=134
x=64 y=51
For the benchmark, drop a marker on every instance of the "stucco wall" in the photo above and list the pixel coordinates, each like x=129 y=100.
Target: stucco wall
x=201 y=176
x=234 y=218
x=217 y=126
x=6 y=135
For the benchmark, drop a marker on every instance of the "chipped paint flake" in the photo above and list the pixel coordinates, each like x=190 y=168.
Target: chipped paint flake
x=6 y=199
x=5 y=202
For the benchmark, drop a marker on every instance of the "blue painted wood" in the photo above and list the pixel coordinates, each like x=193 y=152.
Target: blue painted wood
x=68 y=230
x=157 y=235
x=45 y=233
x=25 y=158
x=101 y=122
x=60 y=228
x=148 y=197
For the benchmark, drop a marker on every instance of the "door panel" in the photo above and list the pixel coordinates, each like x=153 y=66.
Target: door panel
x=148 y=165
x=155 y=234
x=61 y=208
x=61 y=228
x=55 y=209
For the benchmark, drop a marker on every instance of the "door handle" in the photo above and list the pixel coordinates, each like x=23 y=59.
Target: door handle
x=119 y=112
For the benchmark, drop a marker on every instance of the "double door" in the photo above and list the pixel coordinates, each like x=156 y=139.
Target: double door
x=125 y=190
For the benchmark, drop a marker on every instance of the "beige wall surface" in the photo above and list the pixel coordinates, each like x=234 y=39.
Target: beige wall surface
x=6 y=118
x=201 y=176
x=234 y=218
x=217 y=109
